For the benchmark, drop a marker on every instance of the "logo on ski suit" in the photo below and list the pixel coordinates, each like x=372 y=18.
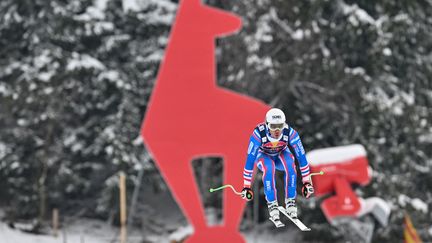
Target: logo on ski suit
x=273 y=148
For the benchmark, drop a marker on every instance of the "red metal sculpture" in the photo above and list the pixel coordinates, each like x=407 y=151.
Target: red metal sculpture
x=189 y=116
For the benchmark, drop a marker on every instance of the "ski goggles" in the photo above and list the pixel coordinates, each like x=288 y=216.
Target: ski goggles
x=274 y=127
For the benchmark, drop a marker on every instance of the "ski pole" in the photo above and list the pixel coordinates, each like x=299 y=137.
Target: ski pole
x=315 y=173
x=223 y=187
x=247 y=194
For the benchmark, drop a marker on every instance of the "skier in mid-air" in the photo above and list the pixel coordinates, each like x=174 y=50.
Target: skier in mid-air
x=268 y=149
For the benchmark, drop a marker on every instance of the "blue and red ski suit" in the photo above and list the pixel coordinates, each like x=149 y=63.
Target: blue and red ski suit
x=270 y=154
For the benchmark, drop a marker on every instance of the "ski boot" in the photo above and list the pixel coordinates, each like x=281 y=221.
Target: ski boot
x=291 y=207
x=274 y=214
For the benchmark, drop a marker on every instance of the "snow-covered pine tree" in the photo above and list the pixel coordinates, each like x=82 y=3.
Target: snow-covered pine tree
x=345 y=72
x=75 y=79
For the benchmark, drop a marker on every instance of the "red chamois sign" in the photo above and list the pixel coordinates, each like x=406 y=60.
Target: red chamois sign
x=189 y=117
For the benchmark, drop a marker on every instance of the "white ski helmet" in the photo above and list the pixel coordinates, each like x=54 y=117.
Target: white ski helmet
x=275 y=116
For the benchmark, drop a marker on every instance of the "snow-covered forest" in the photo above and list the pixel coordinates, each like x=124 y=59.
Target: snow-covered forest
x=76 y=77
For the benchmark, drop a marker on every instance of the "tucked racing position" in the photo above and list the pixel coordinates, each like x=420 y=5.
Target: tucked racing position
x=269 y=150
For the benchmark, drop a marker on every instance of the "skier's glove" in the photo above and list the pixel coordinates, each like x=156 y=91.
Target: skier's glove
x=247 y=194
x=307 y=189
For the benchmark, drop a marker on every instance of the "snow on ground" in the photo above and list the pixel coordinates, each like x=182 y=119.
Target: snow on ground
x=267 y=233
x=163 y=226
x=162 y=221
x=94 y=231
x=82 y=231
x=71 y=231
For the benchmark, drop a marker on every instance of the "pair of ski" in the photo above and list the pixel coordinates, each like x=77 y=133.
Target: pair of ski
x=296 y=221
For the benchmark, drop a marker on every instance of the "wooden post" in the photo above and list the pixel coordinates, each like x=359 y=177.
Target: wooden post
x=55 y=221
x=122 y=185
